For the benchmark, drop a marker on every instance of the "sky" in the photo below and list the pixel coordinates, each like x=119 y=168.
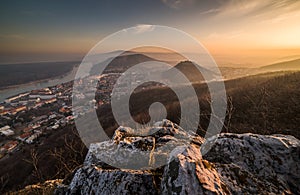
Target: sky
x=235 y=32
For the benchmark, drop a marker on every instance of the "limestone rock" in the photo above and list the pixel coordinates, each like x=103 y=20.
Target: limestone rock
x=257 y=164
x=188 y=173
x=105 y=181
x=236 y=164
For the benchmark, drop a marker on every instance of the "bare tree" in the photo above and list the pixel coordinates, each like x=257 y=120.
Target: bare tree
x=34 y=161
x=230 y=110
x=260 y=106
x=3 y=182
x=70 y=156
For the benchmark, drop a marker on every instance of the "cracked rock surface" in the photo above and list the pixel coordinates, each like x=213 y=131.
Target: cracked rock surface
x=257 y=164
x=236 y=164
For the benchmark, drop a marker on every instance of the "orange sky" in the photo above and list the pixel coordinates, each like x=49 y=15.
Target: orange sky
x=236 y=32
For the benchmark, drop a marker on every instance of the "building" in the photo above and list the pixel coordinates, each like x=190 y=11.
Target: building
x=31 y=127
x=50 y=101
x=55 y=126
x=24 y=136
x=9 y=100
x=9 y=146
x=65 y=109
x=18 y=109
x=23 y=102
x=7 y=132
x=4 y=128
x=32 y=138
x=38 y=104
x=4 y=112
x=28 y=129
x=52 y=116
x=43 y=94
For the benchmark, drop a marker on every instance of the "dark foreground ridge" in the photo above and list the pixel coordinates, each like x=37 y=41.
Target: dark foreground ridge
x=236 y=164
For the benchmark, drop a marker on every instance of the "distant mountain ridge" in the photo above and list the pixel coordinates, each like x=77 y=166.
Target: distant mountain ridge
x=286 y=65
x=128 y=59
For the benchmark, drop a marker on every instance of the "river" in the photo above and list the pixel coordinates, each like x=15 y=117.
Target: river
x=5 y=93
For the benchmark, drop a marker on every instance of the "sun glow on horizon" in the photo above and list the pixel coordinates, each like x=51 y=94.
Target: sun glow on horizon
x=240 y=31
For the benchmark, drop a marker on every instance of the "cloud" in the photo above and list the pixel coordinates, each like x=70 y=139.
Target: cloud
x=210 y=11
x=141 y=28
x=178 y=4
x=258 y=8
x=281 y=18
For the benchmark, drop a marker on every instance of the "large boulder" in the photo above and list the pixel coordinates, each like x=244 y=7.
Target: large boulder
x=136 y=151
x=257 y=164
x=95 y=180
x=188 y=173
x=236 y=164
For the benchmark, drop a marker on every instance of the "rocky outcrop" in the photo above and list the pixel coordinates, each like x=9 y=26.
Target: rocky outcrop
x=236 y=164
x=48 y=187
x=257 y=164
x=95 y=180
x=188 y=173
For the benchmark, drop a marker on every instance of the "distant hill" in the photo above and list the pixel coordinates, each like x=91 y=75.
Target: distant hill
x=190 y=70
x=233 y=73
x=121 y=63
x=286 y=65
x=130 y=58
x=171 y=58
